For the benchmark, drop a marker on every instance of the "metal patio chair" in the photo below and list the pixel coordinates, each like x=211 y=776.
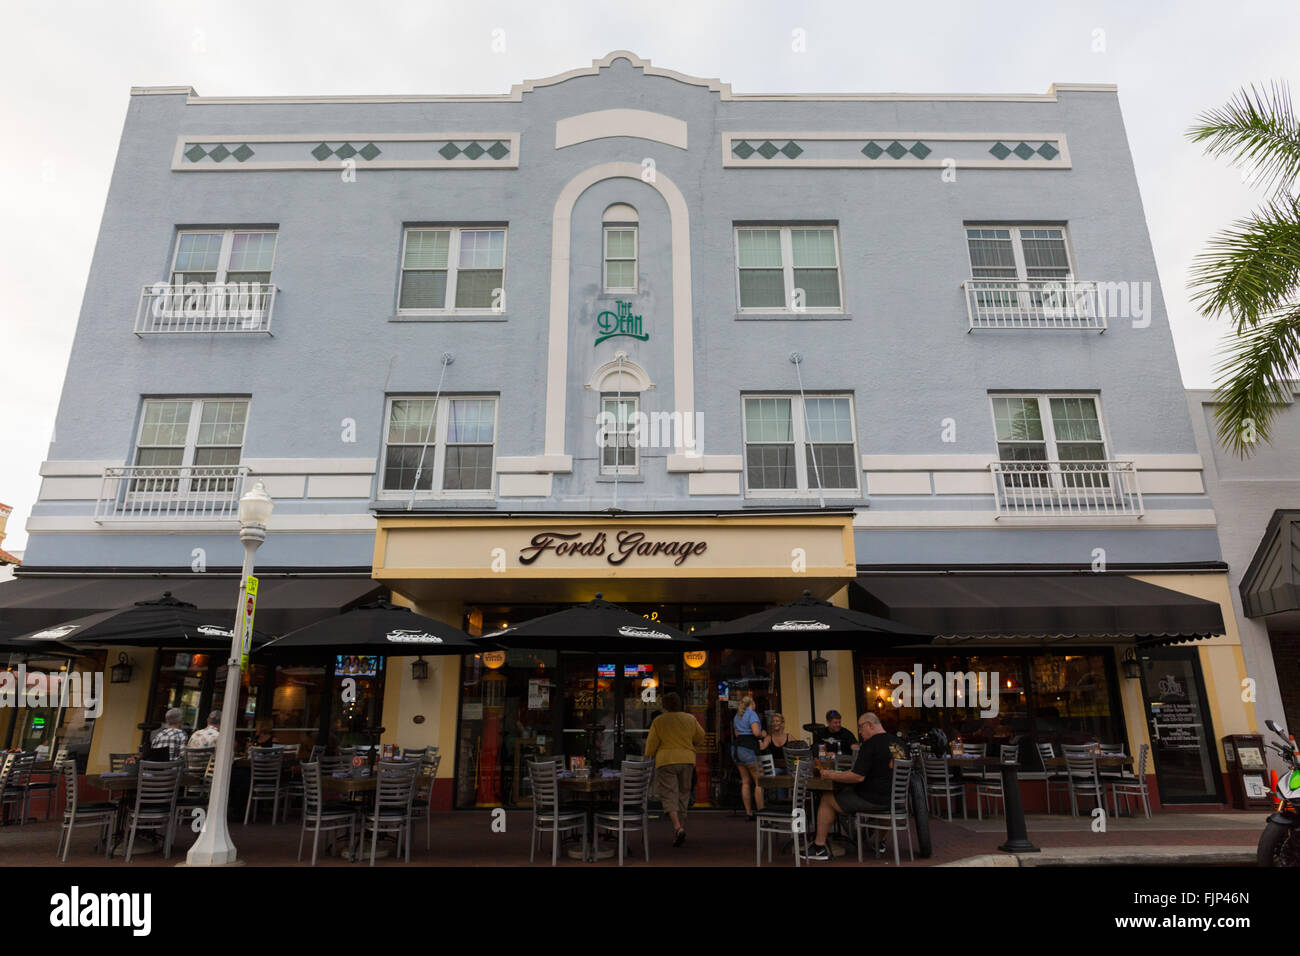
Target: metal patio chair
x=156 y=792
x=633 y=813
x=101 y=815
x=320 y=815
x=391 y=813
x=425 y=782
x=15 y=785
x=1081 y=771
x=1052 y=778
x=1134 y=786
x=266 y=766
x=893 y=819
x=784 y=820
x=940 y=785
x=548 y=817
x=990 y=785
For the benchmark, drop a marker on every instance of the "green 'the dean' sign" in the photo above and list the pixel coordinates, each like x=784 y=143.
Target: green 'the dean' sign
x=610 y=325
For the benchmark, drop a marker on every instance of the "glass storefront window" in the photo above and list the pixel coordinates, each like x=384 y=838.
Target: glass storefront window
x=599 y=706
x=1050 y=697
x=359 y=712
x=182 y=681
x=51 y=711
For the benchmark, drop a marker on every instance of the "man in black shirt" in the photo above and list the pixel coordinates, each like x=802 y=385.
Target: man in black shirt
x=837 y=738
x=866 y=785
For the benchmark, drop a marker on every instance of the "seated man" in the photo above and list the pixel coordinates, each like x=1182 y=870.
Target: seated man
x=866 y=787
x=170 y=735
x=205 y=738
x=837 y=738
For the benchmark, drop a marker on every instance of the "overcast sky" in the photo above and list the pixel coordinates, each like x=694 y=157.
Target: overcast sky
x=67 y=70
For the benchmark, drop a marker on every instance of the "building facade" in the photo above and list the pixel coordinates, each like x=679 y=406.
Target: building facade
x=1257 y=500
x=624 y=330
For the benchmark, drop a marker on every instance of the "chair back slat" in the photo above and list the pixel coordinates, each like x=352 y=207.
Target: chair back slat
x=1082 y=768
x=266 y=764
x=766 y=765
x=900 y=785
x=1143 y=752
x=544 y=777
x=312 y=788
x=975 y=750
x=1010 y=753
x=157 y=784
x=802 y=773
x=396 y=784
x=634 y=783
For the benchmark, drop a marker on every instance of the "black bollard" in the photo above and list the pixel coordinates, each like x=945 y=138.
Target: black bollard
x=1017 y=835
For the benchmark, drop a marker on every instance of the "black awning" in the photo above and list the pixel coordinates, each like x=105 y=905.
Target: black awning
x=1078 y=608
x=283 y=603
x=1271 y=584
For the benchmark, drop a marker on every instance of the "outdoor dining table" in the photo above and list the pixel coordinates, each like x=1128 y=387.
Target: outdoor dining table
x=591 y=789
x=348 y=786
x=123 y=784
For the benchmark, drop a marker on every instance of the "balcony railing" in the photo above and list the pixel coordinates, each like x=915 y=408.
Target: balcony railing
x=1033 y=304
x=205 y=307
x=187 y=493
x=1077 y=488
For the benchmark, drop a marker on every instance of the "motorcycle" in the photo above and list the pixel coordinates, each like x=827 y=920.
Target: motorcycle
x=1279 y=844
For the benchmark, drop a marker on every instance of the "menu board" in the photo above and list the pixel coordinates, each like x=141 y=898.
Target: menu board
x=1251 y=759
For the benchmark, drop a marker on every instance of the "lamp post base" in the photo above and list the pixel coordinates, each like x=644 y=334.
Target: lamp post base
x=231 y=863
x=215 y=855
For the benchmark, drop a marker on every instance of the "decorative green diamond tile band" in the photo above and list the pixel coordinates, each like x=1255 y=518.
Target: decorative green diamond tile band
x=440 y=150
x=218 y=152
x=829 y=149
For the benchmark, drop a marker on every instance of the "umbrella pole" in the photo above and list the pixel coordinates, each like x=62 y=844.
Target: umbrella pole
x=812 y=693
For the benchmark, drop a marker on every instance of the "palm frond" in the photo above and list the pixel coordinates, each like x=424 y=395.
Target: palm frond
x=1255 y=129
x=1252 y=269
x=1254 y=381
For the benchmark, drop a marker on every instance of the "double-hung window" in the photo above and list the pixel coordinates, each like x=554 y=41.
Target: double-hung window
x=788 y=269
x=441 y=447
x=795 y=446
x=618 y=435
x=1053 y=440
x=452 y=269
x=189 y=445
x=223 y=255
x=1024 y=259
x=620 y=270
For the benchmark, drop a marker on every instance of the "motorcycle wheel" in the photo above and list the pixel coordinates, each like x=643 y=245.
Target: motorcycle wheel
x=1278 y=846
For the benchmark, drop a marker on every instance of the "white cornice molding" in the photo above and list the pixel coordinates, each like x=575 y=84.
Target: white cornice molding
x=712 y=84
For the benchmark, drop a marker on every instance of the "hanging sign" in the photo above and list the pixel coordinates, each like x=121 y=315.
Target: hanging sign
x=622 y=322
x=250 y=604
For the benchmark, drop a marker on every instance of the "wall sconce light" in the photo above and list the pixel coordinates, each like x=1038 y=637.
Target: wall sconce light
x=820 y=666
x=1132 y=669
x=120 y=673
x=420 y=669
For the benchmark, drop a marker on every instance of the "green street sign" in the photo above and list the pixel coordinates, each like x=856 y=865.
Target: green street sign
x=611 y=325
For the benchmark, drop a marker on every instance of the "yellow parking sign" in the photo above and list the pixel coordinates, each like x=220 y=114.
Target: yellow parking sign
x=250 y=605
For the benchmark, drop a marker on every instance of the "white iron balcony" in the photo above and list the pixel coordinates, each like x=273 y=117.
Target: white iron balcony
x=205 y=307
x=180 y=493
x=1033 y=304
x=1074 y=488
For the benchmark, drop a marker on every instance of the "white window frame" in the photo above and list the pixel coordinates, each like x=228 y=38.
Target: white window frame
x=1053 y=460
x=805 y=482
x=605 y=258
x=633 y=436
x=787 y=267
x=184 y=487
x=227 y=245
x=453 y=267
x=436 y=457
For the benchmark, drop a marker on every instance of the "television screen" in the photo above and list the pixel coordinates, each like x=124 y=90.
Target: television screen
x=352 y=665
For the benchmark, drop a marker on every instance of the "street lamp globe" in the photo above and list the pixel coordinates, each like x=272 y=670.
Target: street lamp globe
x=255 y=508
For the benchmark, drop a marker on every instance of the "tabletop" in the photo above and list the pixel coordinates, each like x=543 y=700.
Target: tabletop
x=588 y=784
x=115 y=784
x=349 y=784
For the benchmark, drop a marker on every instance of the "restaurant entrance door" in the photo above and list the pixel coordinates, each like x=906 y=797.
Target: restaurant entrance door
x=1182 y=741
x=609 y=701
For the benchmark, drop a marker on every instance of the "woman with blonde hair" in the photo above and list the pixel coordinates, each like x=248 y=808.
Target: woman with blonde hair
x=746 y=731
x=774 y=743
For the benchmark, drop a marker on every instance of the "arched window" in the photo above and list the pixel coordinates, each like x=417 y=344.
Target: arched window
x=619 y=273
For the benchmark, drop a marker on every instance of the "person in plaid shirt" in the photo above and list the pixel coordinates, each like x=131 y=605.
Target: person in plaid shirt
x=206 y=737
x=170 y=735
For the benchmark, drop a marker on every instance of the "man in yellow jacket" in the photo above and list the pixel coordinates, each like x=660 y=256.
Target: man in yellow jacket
x=672 y=741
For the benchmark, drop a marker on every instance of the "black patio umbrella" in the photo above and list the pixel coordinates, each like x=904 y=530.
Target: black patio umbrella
x=165 y=622
x=811 y=624
x=379 y=629
x=594 y=626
